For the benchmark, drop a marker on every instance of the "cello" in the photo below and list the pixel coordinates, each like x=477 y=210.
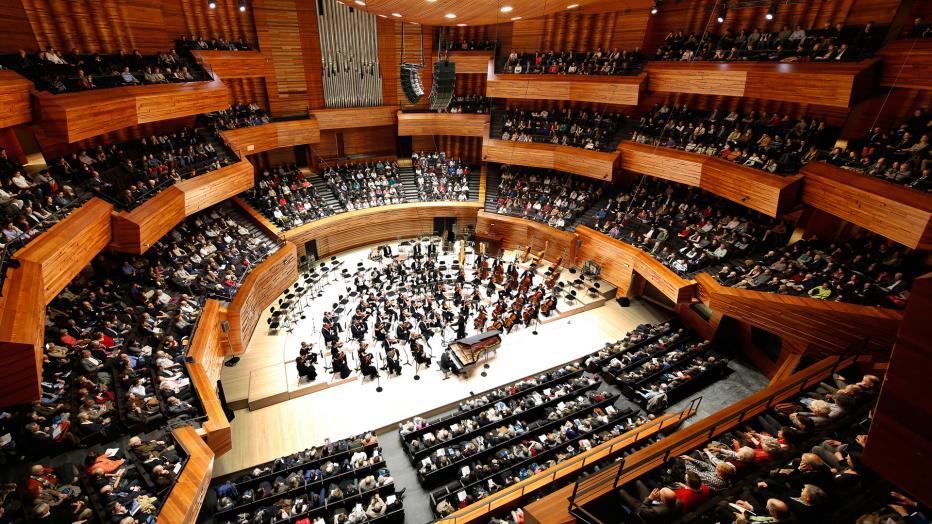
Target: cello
x=479 y=323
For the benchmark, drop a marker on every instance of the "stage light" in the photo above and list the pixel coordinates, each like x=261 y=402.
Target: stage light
x=360 y=2
x=460 y=25
x=212 y=5
x=242 y=7
x=572 y=6
x=722 y=13
x=515 y=18
x=771 y=11
x=656 y=7
x=506 y=9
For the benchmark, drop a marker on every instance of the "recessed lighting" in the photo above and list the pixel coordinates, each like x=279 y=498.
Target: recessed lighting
x=506 y=9
x=572 y=6
x=383 y=16
x=450 y=15
x=431 y=1
x=360 y=2
x=516 y=18
x=397 y=14
x=461 y=25
x=212 y=5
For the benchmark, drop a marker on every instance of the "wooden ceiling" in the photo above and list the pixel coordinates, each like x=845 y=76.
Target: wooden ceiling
x=484 y=12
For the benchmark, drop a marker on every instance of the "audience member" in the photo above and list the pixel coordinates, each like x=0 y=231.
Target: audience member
x=567 y=127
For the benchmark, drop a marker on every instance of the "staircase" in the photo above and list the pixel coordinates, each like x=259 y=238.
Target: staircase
x=588 y=217
x=324 y=192
x=493 y=178
x=496 y=123
x=408 y=183
x=475 y=178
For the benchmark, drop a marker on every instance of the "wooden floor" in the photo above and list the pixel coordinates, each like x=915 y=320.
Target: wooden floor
x=304 y=418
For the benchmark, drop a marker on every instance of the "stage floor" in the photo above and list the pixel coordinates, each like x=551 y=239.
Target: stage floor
x=306 y=417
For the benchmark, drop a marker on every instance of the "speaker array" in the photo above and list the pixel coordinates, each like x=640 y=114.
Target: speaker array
x=411 y=82
x=441 y=92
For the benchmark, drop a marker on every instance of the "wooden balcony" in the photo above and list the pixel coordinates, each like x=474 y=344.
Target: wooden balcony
x=453 y=124
x=15 y=102
x=71 y=117
x=827 y=325
x=232 y=64
x=592 y=164
x=135 y=231
x=187 y=495
x=356 y=117
x=207 y=350
x=892 y=210
x=823 y=84
x=628 y=267
x=907 y=64
x=472 y=62
x=257 y=139
x=620 y=90
x=518 y=233
x=767 y=193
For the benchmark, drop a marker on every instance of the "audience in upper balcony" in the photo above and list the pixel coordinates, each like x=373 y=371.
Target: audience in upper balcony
x=365 y=185
x=919 y=29
x=471 y=45
x=582 y=128
x=212 y=44
x=554 y=198
x=865 y=269
x=287 y=196
x=596 y=62
x=829 y=44
x=774 y=143
x=440 y=178
x=51 y=70
x=901 y=155
x=473 y=103
x=685 y=228
x=237 y=116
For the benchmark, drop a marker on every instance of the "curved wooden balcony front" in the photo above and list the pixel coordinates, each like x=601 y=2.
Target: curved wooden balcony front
x=619 y=90
x=892 y=210
x=821 y=324
x=471 y=62
x=135 y=231
x=206 y=352
x=826 y=84
x=232 y=64
x=274 y=135
x=907 y=64
x=452 y=124
x=376 y=116
x=767 y=193
x=71 y=117
x=187 y=494
x=15 y=103
x=518 y=233
x=592 y=164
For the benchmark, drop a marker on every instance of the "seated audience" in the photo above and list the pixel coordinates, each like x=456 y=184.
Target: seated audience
x=365 y=185
x=596 y=62
x=288 y=198
x=567 y=127
x=472 y=103
x=556 y=199
x=440 y=178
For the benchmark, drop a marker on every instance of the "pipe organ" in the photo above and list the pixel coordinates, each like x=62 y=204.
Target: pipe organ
x=350 y=56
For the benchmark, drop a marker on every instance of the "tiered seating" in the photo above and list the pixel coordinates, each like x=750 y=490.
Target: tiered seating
x=472 y=103
x=439 y=178
x=781 y=465
x=340 y=481
x=567 y=127
x=287 y=197
x=53 y=71
x=901 y=155
x=237 y=116
x=685 y=228
x=596 y=62
x=866 y=269
x=472 y=45
x=774 y=143
x=217 y=43
x=547 y=196
x=364 y=185
x=828 y=44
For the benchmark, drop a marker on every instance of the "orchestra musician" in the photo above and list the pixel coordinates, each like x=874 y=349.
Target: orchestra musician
x=329 y=333
x=417 y=351
x=366 y=365
x=391 y=360
x=447 y=364
x=339 y=363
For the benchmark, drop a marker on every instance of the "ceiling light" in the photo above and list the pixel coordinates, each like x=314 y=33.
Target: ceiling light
x=771 y=11
x=723 y=13
x=397 y=15
x=242 y=7
x=506 y=9
x=360 y=2
x=516 y=18
x=383 y=16
x=431 y=1
x=212 y=4
x=572 y=6
x=461 y=25
x=450 y=15
x=656 y=7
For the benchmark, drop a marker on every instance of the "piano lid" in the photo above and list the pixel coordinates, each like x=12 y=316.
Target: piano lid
x=468 y=341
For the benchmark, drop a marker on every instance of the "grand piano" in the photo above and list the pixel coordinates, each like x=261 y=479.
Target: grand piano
x=467 y=352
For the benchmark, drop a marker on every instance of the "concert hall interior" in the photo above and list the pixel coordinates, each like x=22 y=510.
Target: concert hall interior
x=465 y=261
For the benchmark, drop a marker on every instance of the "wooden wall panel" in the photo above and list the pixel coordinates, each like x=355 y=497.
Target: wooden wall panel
x=260 y=287
x=620 y=90
x=258 y=139
x=52 y=149
x=887 y=110
x=313 y=60
x=194 y=17
x=891 y=210
x=455 y=124
x=471 y=62
x=15 y=102
x=68 y=246
x=518 y=233
x=283 y=40
x=187 y=495
x=900 y=430
x=211 y=188
x=906 y=64
x=248 y=90
x=482 y=33
x=592 y=164
x=669 y=164
x=356 y=117
x=826 y=325
x=232 y=64
x=388 y=60
x=17 y=32
x=467 y=148
x=368 y=141
x=207 y=350
x=135 y=231
x=470 y=84
x=580 y=32
x=22 y=323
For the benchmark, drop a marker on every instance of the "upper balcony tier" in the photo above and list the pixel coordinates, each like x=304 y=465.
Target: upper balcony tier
x=471 y=62
x=274 y=135
x=15 y=105
x=592 y=164
x=620 y=90
x=831 y=85
x=453 y=124
x=71 y=117
x=232 y=64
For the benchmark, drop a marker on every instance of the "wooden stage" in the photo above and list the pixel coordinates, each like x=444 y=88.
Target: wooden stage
x=265 y=380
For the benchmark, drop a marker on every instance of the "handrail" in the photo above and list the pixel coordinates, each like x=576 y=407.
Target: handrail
x=686 y=439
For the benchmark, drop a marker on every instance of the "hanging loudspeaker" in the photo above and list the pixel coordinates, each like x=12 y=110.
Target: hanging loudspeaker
x=441 y=92
x=411 y=82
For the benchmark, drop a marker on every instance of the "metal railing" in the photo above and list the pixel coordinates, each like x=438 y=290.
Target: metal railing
x=688 y=438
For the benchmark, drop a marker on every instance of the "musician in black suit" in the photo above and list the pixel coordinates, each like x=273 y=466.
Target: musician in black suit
x=417 y=351
x=418 y=253
x=391 y=361
x=306 y=370
x=426 y=332
x=358 y=330
x=329 y=333
x=431 y=250
x=387 y=251
x=403 y=332
x=339 y=364
x=447 y=363
x=461 y=327
x=366 y=362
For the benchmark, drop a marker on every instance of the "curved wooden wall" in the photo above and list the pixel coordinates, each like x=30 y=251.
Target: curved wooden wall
x=622 y=263
x=824 y=324
x=892 y=210
x=518 y=233
x=262 y=285
x=206 y=352
x=232 y=64
x=47 y=264
x=15 y=104
x=356 y=117
x=135 y=231
x=70 y=117
x=619 y=90
x=274 y=135
x=186 y=496
x=831 y=85
x=471 y=62
x=773 y=195
x=592 y=164
x=906 y=64
x=451 y=124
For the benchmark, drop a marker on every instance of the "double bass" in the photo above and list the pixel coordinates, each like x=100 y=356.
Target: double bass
x=510 y=320
x=540 y=254
x=499 y=274
x=525 y=254
x=525 y=283
x=547 y=306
